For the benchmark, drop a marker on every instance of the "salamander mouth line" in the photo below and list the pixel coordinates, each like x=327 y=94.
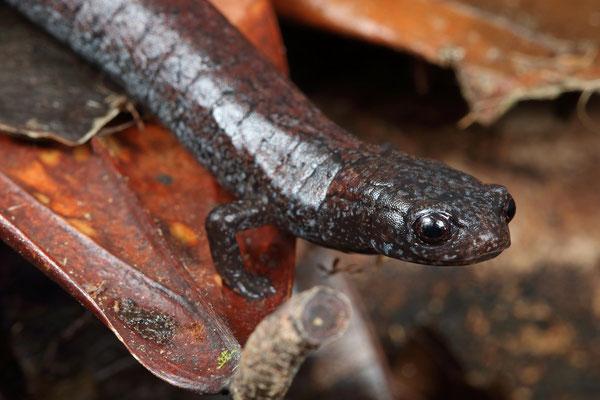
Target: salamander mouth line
x=464 y=261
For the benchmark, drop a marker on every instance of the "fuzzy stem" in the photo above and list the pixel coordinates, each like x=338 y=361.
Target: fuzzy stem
x=283 y=340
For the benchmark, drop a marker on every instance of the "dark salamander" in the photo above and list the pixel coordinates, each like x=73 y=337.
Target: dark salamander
x=265 y=142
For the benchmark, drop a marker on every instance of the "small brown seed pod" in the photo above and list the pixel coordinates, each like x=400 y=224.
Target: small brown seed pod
x=281 y=342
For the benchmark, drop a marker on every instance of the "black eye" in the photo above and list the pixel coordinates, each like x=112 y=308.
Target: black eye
x=510 y=209
x=433 y=228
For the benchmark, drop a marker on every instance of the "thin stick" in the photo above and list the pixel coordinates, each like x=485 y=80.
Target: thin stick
x=279 y=345
x=582 y=113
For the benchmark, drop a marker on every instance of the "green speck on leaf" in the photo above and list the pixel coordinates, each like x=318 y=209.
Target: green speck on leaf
x=225 y=357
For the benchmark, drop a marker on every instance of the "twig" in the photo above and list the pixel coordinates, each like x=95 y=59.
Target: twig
x=583 y=115
x=280 y=343
x=139 y=121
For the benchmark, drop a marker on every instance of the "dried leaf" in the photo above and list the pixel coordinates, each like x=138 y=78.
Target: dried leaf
x=502 y=51
x=256 y=19
x=46 y=91
x=119 y=223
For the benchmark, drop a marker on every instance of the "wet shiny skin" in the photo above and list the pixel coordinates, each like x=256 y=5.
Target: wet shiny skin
x=264 y=141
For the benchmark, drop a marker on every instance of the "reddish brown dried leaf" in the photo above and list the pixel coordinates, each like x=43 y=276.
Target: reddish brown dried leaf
x=502 y=51
x=256 y=19
x=119 y=223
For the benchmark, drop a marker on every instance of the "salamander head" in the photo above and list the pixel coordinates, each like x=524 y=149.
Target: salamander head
x=456 y=231
x=423 y=211
x=445 y=217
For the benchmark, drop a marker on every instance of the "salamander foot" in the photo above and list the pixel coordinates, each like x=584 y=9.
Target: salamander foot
x=222 y=225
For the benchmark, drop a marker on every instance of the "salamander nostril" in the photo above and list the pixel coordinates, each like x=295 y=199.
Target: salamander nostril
x=510 y=209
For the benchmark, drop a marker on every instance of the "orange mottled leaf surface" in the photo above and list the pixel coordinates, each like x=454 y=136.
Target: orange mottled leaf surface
x=119 y=223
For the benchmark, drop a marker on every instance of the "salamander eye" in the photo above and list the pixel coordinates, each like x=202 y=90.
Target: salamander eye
x=510 y=209
x=433 y=228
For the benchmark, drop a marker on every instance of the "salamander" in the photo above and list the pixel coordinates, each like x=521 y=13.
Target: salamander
x=287 y=163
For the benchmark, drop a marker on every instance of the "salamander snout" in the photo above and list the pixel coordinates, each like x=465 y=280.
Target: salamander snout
x=510 y=208
x=504 y=201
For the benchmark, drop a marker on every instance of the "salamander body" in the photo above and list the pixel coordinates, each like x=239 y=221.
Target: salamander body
x=265 y=142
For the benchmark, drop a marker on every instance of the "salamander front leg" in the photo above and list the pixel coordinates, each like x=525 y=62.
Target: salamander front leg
x=222 y=225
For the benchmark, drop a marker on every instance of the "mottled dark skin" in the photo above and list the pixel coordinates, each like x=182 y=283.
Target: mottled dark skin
x=265 y=142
